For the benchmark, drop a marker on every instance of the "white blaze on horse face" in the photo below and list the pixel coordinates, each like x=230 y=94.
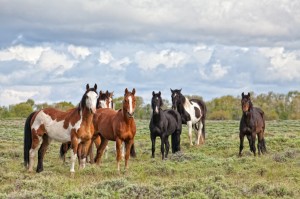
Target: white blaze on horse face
x=55 y=129
x=110 y=103
x=130 y=104
x=91 y=101
x=103 y=104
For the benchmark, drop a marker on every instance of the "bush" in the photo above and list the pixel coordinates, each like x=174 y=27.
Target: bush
x=219 y=115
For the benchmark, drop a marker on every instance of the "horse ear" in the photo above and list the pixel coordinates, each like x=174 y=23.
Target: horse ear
x=171 y=90
x=153 y=93
x=111 y=94
x=95 y=87
x=107 y=93
x=133 y=91
x=248 y=94
x=100 y=92
x=87 y=87
x=243 y=94
x=126 y=90
x=159 y=93
x=180 y=90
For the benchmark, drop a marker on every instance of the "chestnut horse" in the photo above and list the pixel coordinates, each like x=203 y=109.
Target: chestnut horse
x=118 y=126
x=73 y=126
x=252 y=123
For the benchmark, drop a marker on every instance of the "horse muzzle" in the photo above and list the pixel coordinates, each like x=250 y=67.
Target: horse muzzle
x=130 y=115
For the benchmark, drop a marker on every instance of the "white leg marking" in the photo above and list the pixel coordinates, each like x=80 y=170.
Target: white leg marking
x=190 y=126
x=32 y=153
x=73 y=161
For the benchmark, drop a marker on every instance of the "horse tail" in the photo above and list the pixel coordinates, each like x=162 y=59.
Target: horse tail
x=203 y=118
x=175 y=140
x=64 y=147
x=132 y=151
x=27 y=138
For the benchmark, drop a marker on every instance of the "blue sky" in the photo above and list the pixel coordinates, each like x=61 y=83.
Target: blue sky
x=49 y=50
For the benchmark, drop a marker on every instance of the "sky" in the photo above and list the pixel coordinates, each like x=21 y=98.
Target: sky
x=50 y=50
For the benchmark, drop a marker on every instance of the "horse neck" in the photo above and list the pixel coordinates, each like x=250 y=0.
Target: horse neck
x=185 y=102
x=86 y=115
x=249 y=115
x=157 y=116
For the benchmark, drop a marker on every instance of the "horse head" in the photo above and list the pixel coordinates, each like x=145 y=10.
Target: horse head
x=156 y=102
x=129 y=102
x=246 y=102
x=176 y=98
x=89 y=99
x=105 y=100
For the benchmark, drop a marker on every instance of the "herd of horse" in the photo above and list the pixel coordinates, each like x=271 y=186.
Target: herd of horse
x=94 y=122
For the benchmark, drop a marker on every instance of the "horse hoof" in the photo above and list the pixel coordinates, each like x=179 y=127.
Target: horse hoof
x=39 y=170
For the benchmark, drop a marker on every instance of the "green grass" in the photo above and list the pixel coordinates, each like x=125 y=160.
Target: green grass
x=210 y=171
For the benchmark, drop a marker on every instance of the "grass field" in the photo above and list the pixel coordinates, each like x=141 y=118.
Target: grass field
x=211 y=171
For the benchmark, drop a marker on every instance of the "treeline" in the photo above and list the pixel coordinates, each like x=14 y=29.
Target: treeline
x=276 y=107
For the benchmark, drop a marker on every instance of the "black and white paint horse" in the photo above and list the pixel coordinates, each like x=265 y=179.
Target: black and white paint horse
x=192 y=112
x=164 y=123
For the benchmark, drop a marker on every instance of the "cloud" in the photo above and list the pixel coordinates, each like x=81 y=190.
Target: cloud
x=58 y=63
x=167 y=58
x=284 y=65
x=79 y=51
x=105 y=57
x=120 y=64
x=22 y=53
x=215 y=72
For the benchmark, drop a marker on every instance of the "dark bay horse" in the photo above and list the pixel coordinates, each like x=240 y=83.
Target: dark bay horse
x=118 y=126
x=252 y=123
x=105 y=100
x=164 y=123
x=48 y=124
x=192 y=112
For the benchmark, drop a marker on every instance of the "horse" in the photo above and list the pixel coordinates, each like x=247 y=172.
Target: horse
x=45 y=125
x=104 y=100
x=118 y=126
x=192 y=112
x=252 y=123
x=164 y=123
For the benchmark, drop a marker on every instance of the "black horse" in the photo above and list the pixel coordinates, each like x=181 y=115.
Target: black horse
x=164 y=123
x=252 y=124
x=192 y=112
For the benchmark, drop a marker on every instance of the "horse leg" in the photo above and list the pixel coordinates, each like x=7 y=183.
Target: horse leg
x=253 y=143
x=41 y=153
x=128 y=145
x=97 y=141
x=153 y=137
x=74 y=151
x=119 y=157
x=167 y=146
x=100 y=150
x=162 y=147
x=260 y=144
x=190 y=126
x=85 y=149
x=79 y=153
x=242 y=135
x=249 y=137
x=36 y=143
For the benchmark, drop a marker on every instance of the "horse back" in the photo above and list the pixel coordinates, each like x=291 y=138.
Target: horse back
x=174 y=118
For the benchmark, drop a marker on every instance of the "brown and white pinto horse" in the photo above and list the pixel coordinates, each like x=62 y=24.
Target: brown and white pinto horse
x=73 y=126
x=104 y=100
x=118 y=126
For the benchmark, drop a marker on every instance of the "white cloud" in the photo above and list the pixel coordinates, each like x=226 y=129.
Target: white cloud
x=120 y=64
x=215 y=72
x=105 y=57
x=15 y=95
x=79 y=51
x=284 y=65
x=22 y=53
x=58 y=63
x=167 y=58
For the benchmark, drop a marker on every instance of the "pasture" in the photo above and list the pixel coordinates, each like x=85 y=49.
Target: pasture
x=210 y=171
